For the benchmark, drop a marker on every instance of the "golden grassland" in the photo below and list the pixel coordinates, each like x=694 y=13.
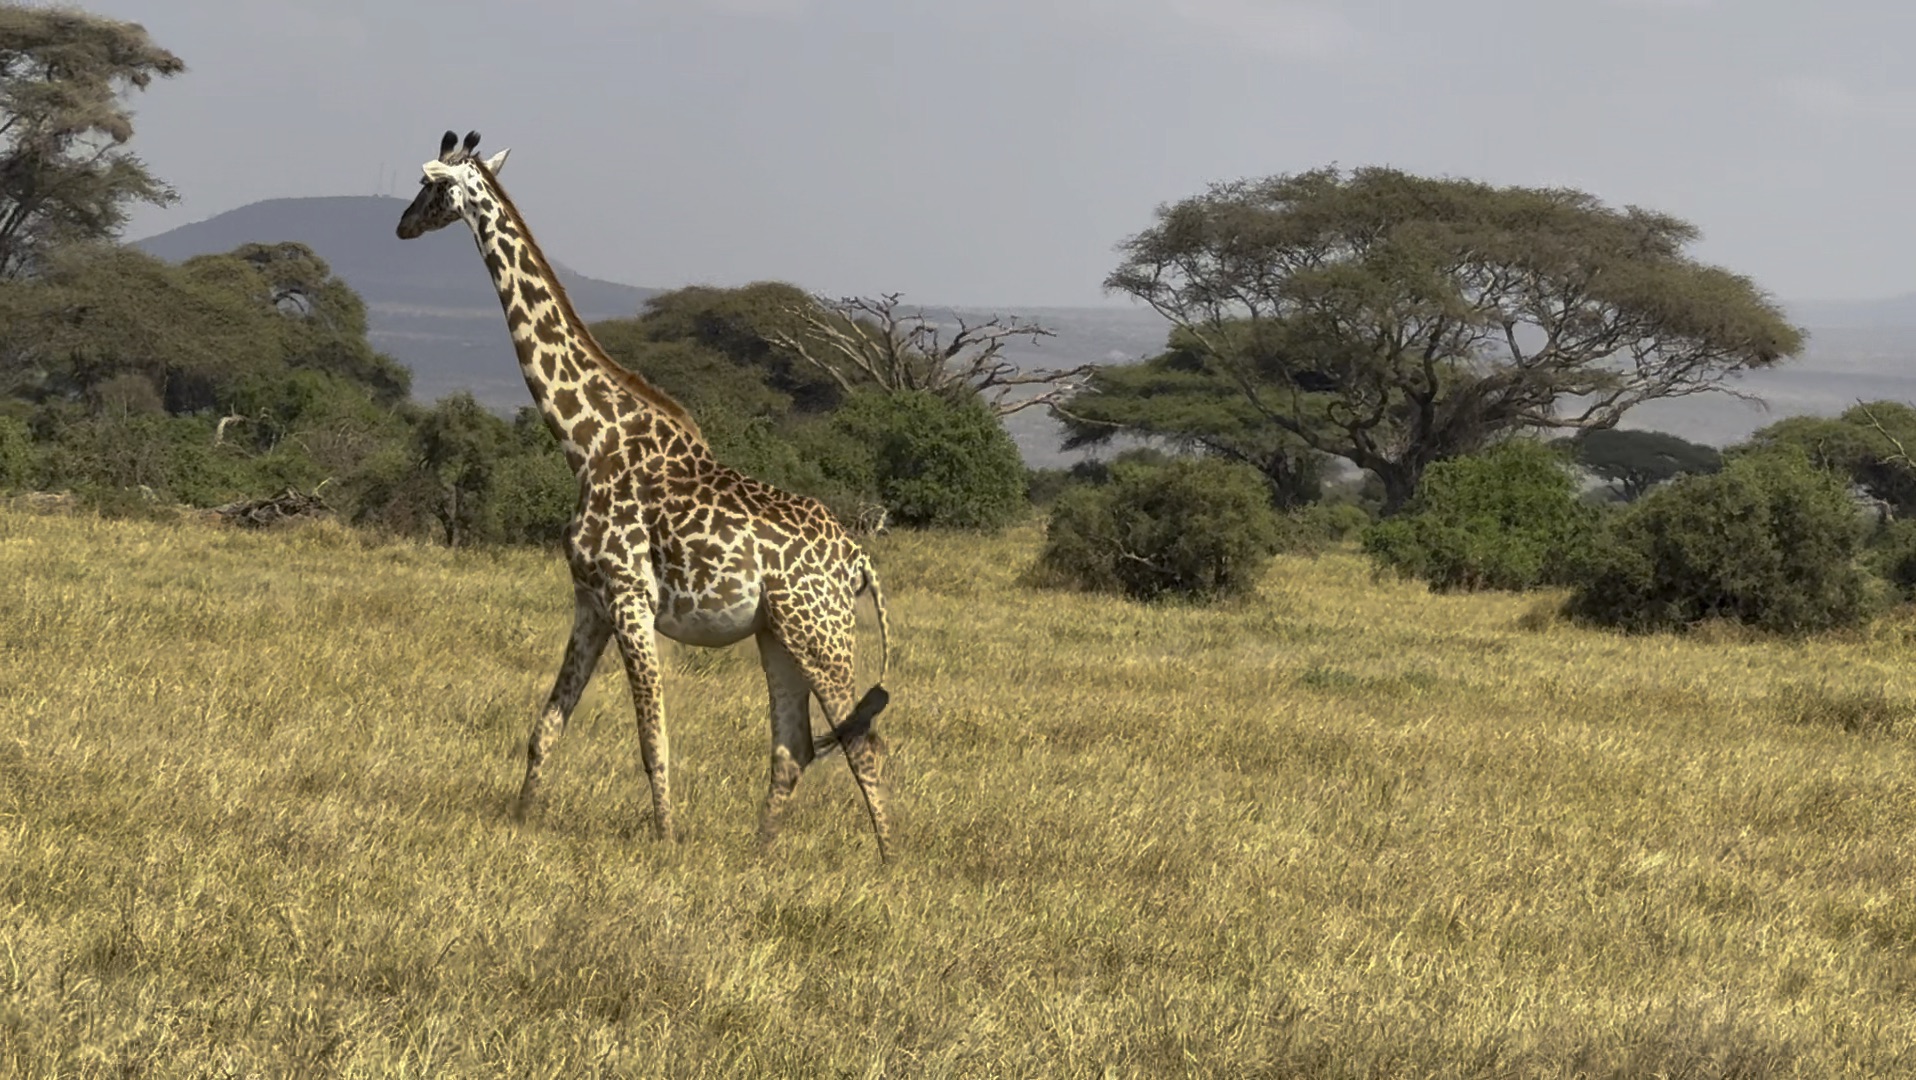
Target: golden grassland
x=254 y=821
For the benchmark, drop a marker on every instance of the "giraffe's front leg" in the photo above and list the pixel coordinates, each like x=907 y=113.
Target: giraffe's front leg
x=632 y=621
x=590 y=629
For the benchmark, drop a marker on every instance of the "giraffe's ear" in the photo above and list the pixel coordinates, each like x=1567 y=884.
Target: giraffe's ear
x=437 y=170
x=497 y=161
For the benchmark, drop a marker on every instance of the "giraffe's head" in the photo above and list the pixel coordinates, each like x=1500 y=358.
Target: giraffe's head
x=452 y=184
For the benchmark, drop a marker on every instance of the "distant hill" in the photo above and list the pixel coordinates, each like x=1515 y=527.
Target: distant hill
x=431 y=306
x=429 y=302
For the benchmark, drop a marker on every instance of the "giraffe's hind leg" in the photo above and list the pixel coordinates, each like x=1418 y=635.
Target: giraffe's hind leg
x=590 y=629
x=826 y=661
x=790 y=693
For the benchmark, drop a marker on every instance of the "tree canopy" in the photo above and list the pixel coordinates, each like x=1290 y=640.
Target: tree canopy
x=215 y=332
x=65 y=175
x=1634 y=461
x=1395 y=320
x=1868 y=446
x=1178 y=398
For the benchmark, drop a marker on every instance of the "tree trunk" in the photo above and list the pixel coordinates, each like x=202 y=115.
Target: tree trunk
x=1400 y=483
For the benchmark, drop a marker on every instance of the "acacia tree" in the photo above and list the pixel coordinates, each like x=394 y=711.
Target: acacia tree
x=1395 y=321
x=65 y=174
x=868 y=341
x=1868 y=445
x=1177 y=399
x=1634 y=461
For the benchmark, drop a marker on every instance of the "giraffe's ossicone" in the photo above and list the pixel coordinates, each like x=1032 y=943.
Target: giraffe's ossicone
x=665 y=537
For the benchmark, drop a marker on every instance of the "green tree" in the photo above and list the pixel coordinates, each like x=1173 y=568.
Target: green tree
x=65 y=175
x=460 y=445
x=712 y=347
x=218 y=332
x=16 y=453
x=1634 y=461
x=322 y=321
x=1176 y=398
x=1396 y=321
x=931 y=462
x=98 y=313
x=535 y=490
x=1866 y=445
x=1506 y=518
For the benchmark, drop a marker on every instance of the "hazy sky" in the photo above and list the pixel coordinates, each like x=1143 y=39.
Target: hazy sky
x=994 y=151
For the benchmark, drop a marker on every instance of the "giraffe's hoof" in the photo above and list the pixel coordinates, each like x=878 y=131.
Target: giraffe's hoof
x=526 y=805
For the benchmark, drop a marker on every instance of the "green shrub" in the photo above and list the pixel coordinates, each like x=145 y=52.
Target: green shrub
x=1332 y=521
x=930 y=462
x=1771 y=542
x=534 y=494
x=1199 y=528
x=1043 y=486
x=16 y=454
x=1508 y=518
x=1892 y=555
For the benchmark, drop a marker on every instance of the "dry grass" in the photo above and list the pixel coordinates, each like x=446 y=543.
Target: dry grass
x=253 y=796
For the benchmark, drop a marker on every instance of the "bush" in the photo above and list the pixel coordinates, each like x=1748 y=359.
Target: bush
x=534 y=494
x=930 y=462
x=1508 y=518
x=16 y=454
x=1892 y=554
x=1043 y=486
x=1770 y=542
x=1332 y=521
x=1200 y=528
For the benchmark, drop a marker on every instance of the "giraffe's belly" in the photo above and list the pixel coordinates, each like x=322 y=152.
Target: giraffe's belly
x=709 y=620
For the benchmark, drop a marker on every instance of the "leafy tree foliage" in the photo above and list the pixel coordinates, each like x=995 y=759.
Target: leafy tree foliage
x=1507 y=518
x=1178 y=398
x=1197 y=528
x=1634 y=461
x=1396 y=321
x=715 y=348
x=1892 y=555
x=929 y=461
x=216 y=332
x=65 y=175
x=16 y=453
x=1771 y=541
x=225 y=377
x=1866 y=446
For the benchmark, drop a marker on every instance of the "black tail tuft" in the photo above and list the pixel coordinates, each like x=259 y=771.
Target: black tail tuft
x=857 y=725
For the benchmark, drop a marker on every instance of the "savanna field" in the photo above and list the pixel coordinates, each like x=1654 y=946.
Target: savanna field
x=255 y=795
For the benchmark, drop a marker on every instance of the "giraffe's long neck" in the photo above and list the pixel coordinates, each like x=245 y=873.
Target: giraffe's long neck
x=580 y=391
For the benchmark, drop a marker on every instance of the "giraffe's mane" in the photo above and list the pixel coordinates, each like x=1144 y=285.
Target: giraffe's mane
x=622 y=377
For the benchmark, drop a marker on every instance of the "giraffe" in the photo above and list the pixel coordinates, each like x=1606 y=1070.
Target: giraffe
x=666 y=538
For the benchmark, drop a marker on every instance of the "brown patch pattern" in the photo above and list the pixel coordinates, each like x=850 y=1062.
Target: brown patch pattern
x=665 y=537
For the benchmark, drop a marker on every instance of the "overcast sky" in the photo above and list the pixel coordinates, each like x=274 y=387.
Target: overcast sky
x=994 y=151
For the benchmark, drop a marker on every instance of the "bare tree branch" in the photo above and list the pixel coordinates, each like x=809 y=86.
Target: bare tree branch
x=1901 y=456
x=874 y=341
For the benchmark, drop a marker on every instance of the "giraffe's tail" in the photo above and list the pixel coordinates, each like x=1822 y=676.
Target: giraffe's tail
x=859 y=723
x=869 y=584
